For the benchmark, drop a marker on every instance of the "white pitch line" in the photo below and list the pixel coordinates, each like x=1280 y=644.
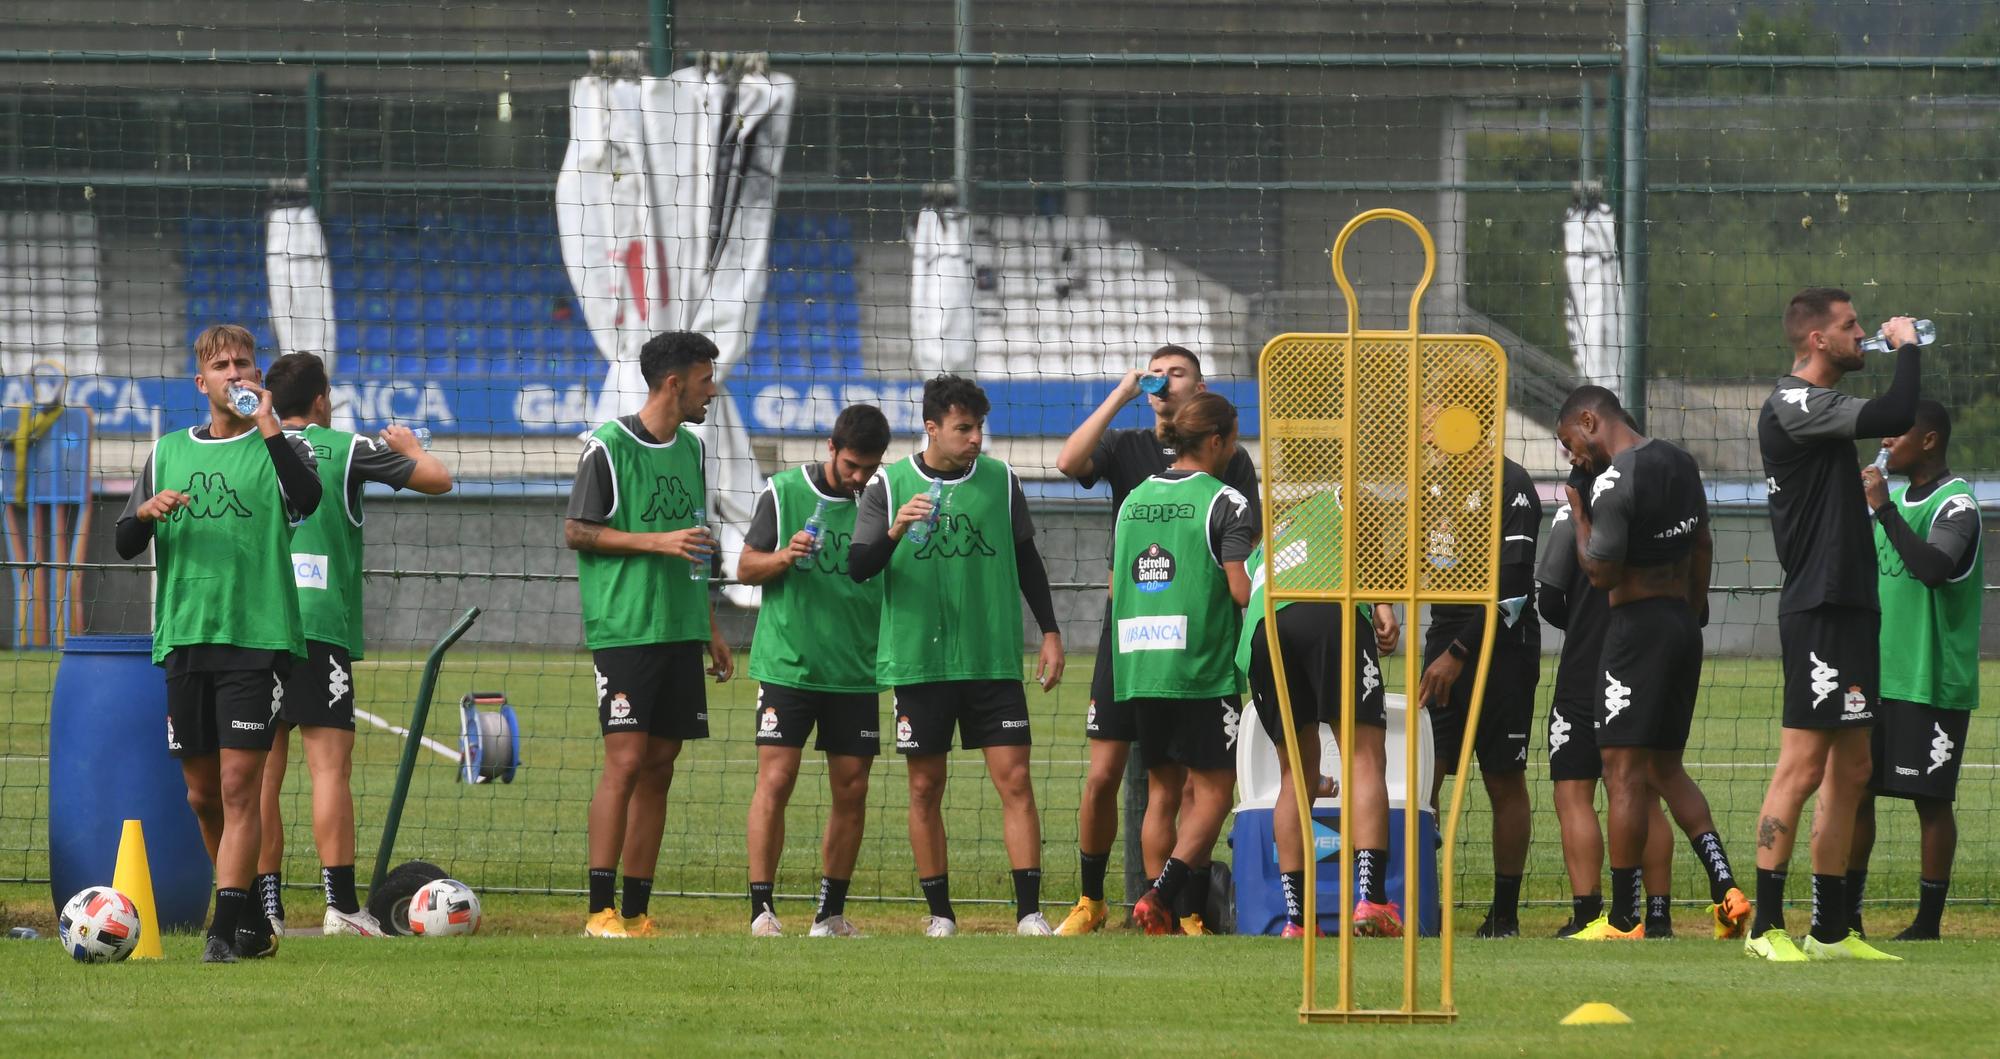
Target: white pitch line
x=428 y=743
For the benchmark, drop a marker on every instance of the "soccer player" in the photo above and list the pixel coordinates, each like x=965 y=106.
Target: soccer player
x=1125 y=458
x=1930 y=561
x=1568 y=601
x=950 y=641
x=1177 y=581
x=319 y=693
x=218 y=506
x=1829 y=617
x=646 y=615
x=1310 y=637
x=814 y=660
x=1644 y=539
x=1445 y=689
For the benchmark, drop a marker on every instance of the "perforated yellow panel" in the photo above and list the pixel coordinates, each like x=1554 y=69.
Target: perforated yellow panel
x=1445 y=441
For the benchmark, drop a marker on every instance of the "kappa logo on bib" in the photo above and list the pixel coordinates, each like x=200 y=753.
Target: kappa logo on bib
x=309 y=571
x=1166 y=632
x=670 y=500
x=1153 y=570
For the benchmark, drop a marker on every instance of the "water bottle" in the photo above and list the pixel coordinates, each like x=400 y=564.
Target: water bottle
x=1926 y=334
x=920 y=530
x=241 y=399
x=1153 y=384
x=423 y=436
x=698 y=566
x=1882 y=460
x=814 y=525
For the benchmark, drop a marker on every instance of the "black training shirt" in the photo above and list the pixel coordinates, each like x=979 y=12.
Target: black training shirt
x=1819 y=516
x=1644 y=508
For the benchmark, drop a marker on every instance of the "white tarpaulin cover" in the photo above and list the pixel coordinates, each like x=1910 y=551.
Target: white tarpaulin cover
x=665 y=206
x=301 y=283
x=942 y=317
x=1594 y=306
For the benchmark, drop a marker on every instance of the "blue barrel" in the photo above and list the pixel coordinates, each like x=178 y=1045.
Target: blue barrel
x=108 y=763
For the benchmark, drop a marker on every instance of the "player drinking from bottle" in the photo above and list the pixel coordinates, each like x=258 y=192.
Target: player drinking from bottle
x=1125 y=458
x=642 y=558
x=1829 y=611
x=218 y=502
x=1177 y=579
x=814 y=660
x=319 y=694
x=1929 y=565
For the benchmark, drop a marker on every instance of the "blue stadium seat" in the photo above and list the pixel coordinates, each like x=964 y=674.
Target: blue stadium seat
x=812 y=255
x=847 y=314
x=443 y=364
x=376 y=306
x=764 y=342
x=792 y=316
x=848 y=345
x=784 y=254
x=525 y=312
x=409 y=339
x=785 y=283
x=436 y=308
x=376 y=338
x=407 y=308
x=374 y=277
x=200 y=307
x=464 y=280
x=405 y=278
x=437 y=339
x=494 y=312
x=814 y=284
x=345 y=305
x=468 y=340
x=838 y=227
x=840 y=255
x=346 y=338
x=522 y=280
x=465 y=310
x=842 y=284
x=493 y=281
x=435 y=279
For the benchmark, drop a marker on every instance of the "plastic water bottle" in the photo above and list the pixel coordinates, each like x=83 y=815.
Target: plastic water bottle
x=1153 y=384
x=1882 y=460
x=920 y=530
x=698 y=566
x=1926 y=334
x=241 y=399
x=814 y=525
x=423 y=436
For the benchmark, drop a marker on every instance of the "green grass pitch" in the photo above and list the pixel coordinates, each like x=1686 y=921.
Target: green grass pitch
x=529 y=834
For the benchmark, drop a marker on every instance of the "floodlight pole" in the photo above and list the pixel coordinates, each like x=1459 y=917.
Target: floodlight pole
x=961 y=105
x=660 y=20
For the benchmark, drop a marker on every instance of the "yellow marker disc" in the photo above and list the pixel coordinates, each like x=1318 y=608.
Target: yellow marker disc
x=1597 y=1013
x=1456 y=429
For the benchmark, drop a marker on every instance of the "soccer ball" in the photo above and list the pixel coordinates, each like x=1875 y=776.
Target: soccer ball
x=444 y=907
x=99 y=925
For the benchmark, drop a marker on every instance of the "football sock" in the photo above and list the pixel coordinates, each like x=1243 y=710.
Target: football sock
x=602 y=880
x=1930 y=903
x=937 y=894
x=1294 y=883
x=1369 y=868
x=229 y=903
x=1829 y=908
x=1708 y=850
x=1172 y=879
x=1585 y=907
x=1857 y=882
x=338 y=882
x=1194 y=897
x=763 y=897
x=1770 y=901
x=1659 y=911
x=1093 y=865
x=266 y=889
x=1506 y=897
x=832 y=898
x=1027 y=892
x=638 y=895
x=1625 y=898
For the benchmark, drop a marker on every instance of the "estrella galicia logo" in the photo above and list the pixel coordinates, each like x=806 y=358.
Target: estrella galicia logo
x=955 y=538
x=670 y=500
x=1153 y=569
x=210 y=496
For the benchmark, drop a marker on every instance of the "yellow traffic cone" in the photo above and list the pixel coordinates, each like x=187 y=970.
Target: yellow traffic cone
x=133 y=877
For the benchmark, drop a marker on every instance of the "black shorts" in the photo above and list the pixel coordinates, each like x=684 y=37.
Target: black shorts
x=230 y=709
x=1651 y=668
x=1573 y=741
x=1833 y=666
x=985 y=712
x=1196 y=733
x=658 y=689
x=1107 y=718
x=848 y=722
x=1918 y=749
x=1309 y=636
x=320 y=691
x=1501 y=743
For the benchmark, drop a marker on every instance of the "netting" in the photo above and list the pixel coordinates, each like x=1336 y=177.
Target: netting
x=851 y=197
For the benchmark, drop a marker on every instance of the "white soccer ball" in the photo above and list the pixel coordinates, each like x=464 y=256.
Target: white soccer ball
x=444 y=907
x=99 y=925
